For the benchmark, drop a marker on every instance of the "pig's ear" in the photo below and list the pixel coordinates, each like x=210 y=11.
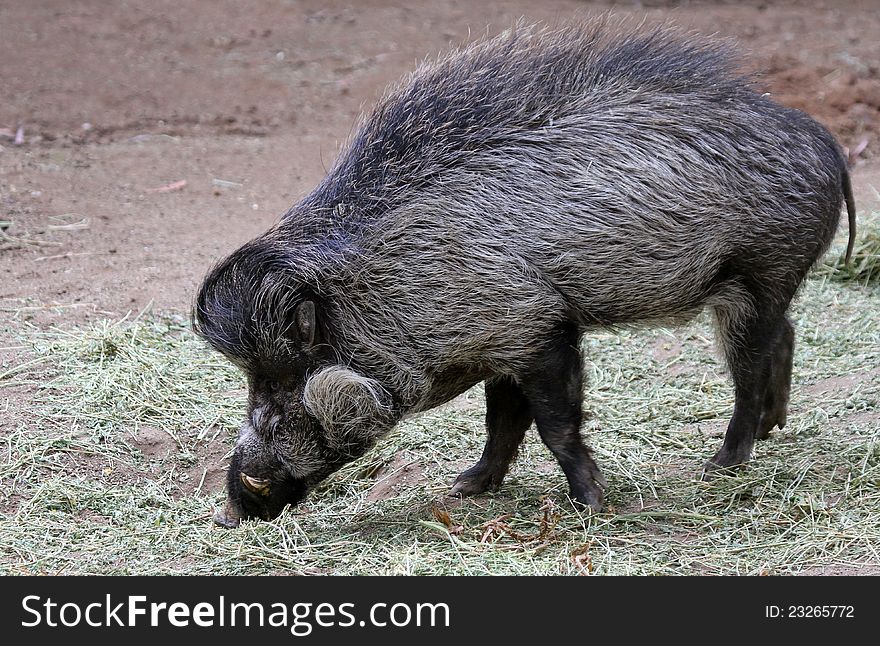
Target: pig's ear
x=305 y=322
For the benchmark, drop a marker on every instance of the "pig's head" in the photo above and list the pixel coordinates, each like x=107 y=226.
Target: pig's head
x=307 y=414
x=296 y=434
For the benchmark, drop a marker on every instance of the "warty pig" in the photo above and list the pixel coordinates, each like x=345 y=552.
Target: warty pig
x=498 y=203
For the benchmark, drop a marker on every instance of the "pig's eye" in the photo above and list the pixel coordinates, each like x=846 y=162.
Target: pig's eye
x=264 y=419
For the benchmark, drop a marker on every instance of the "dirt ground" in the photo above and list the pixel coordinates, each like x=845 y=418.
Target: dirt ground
x=142 y=142
x=247 y=104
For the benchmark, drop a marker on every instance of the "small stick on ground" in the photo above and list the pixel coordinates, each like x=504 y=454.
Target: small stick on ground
x=168 y=188
x=69 y=254
x=15 y=243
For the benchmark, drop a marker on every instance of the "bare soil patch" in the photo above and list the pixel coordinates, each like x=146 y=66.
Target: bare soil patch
x=402 y=473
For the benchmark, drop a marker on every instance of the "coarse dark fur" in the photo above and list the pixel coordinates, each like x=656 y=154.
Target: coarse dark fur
x=498 y=203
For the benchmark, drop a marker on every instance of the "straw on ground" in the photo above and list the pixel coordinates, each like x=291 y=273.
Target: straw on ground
x=78 y=496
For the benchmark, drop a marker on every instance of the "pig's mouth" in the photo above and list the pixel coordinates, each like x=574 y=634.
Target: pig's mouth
x=254 y=498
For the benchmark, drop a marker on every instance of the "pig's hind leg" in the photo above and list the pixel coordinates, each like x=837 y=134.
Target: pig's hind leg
x=508 y=417
x=755 y=337
x=775 y=410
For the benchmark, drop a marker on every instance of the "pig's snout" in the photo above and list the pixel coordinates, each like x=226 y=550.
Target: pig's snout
x=228 y=517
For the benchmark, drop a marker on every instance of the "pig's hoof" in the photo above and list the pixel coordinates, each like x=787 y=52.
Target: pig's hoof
x=723 y=464
x=590 y=496
x=475 y=480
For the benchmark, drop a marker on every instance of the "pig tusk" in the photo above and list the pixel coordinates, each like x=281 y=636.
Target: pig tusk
x=259 y=486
